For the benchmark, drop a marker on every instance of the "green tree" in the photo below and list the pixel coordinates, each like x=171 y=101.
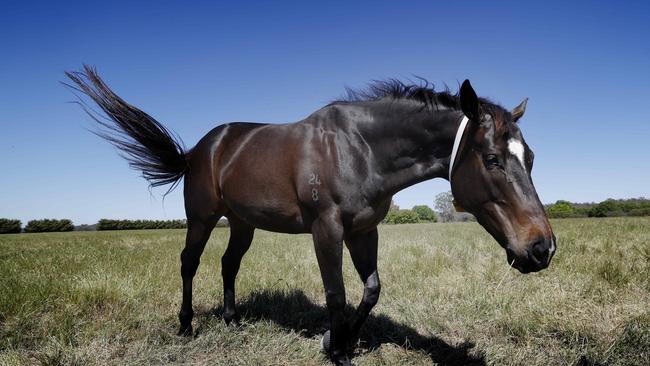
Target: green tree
x=8 y=226
x=597 y=211
x=605 y=208
x=48 y=225
x=560 y=209
x=425 y=213
x=444 y=206
x=612 y=206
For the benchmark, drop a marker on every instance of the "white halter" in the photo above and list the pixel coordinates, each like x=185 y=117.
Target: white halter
x=454 y=150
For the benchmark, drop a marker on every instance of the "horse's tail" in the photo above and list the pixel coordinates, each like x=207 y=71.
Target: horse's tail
x=145 y=143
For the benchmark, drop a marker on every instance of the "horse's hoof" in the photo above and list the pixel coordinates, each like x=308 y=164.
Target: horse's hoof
x=186 y=331
x=231 y=319
x=325 y=343
x=345 y=361
x=233 y=323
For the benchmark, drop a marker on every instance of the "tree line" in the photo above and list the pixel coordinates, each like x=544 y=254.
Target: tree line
x=107 y=224
x=607 y=208
x=443 y=203
x=9 y=226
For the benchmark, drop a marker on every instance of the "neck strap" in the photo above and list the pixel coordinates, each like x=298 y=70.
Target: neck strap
x=454 y=150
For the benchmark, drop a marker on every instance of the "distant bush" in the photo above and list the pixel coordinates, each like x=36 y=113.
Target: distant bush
x=107 y=224
x=597 y=211
x=401 y=217
x=48 y=225
x=425 y=213
x=640 y=211
x=9 y=226
x=560 y=210
x=604 y=208
x=579 y=211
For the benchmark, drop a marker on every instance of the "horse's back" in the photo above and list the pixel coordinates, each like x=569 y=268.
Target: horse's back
x=281 y=177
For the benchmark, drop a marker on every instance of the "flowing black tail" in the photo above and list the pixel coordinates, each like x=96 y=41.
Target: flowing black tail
x=145 y=143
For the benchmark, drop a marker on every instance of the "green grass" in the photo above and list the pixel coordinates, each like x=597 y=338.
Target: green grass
x=448 y=297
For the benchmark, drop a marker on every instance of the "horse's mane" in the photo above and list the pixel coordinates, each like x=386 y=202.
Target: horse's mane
x=423 y=93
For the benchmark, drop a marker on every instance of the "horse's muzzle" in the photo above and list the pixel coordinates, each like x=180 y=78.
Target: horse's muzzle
x=537 y=257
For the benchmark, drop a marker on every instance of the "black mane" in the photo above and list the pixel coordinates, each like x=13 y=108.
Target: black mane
x=423 y=93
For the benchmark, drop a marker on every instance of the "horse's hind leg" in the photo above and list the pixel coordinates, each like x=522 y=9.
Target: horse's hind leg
x=198 y=233
x=241 y=236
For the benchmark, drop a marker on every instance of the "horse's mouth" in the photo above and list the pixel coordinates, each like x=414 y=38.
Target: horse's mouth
x=525 y=265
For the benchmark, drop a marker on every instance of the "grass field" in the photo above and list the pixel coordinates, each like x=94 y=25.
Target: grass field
x=448 y=298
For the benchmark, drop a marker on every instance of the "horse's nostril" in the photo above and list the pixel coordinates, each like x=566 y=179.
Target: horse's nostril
x=540 y=251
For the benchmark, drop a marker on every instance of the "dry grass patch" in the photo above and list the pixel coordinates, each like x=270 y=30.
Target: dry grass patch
x=448 y=298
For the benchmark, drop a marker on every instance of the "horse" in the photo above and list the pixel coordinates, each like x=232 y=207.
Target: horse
x=333 y=175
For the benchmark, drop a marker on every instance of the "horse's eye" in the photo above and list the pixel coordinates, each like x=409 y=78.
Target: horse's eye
x=491 y=161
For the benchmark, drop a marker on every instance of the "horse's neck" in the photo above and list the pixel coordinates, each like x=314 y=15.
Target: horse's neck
x=411 y=147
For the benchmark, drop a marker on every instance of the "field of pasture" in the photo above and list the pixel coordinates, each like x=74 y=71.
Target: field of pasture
x=448 y=298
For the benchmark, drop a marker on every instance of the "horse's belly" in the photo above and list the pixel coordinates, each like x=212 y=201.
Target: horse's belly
x=270 y=216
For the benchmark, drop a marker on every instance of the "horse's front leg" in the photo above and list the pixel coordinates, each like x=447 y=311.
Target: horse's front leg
x=327 y=232
x=363 y=250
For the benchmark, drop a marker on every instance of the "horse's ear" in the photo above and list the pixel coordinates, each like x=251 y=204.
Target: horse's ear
x=519 y=110
x=469 y=102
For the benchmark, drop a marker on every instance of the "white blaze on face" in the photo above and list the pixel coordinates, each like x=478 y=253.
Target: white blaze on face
x=516 y=148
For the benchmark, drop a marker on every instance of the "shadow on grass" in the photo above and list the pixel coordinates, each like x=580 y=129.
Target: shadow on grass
x=293 y=310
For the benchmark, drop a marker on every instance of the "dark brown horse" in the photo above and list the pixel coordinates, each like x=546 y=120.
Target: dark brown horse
x=333 y=175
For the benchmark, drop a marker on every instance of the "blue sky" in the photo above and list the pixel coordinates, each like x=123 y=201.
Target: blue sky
x=193 y=65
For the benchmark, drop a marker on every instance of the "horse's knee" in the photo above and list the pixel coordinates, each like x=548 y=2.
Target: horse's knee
x=189 y=263
x=227 y=265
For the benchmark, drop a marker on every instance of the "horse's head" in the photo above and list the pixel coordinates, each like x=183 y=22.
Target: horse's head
x=492 y=180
